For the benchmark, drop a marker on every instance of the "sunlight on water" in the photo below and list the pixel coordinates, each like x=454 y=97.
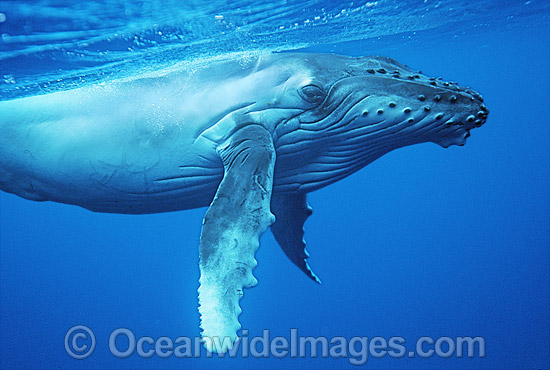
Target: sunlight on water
x=78 y=42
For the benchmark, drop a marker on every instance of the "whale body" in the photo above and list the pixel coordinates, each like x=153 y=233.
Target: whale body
x=248 y=138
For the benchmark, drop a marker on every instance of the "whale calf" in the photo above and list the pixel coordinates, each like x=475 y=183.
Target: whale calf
x=248 y=139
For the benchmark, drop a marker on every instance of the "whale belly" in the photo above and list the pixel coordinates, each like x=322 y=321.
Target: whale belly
x=129 y=159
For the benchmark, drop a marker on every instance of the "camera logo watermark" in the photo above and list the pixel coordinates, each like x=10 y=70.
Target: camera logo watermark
x=80 y=343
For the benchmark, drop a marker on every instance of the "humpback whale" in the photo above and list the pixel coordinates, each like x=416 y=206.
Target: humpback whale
x=248 y=138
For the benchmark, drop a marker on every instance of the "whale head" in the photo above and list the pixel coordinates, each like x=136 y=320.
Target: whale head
x=370 y=94
x=357 y=109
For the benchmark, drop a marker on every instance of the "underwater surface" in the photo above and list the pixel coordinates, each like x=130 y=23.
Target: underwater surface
x=424 y=242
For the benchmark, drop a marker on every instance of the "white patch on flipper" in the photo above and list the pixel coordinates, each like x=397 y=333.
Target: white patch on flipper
x=238 y=216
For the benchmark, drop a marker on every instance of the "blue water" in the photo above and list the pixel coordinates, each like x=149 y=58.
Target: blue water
x=423 y=242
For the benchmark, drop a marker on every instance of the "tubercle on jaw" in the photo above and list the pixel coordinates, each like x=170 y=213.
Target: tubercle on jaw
x=453 y=121
x=482 y=114
x=432 y=81
x=443 y=92
x=437 y=98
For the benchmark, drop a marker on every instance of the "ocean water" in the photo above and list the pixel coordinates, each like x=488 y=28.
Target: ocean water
x=424 y=242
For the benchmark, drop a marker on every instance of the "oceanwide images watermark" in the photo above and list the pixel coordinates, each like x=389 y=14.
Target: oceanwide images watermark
x=80 y=343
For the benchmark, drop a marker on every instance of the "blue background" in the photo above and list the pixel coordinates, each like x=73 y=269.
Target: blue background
x=423 y=242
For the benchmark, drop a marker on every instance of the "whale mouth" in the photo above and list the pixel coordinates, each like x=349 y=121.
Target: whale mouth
x=457 y=129
x=457 y=137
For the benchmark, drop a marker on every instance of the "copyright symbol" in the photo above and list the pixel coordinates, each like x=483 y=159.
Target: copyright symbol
x=79 y=342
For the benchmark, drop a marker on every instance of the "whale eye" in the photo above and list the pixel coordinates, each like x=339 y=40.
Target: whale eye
x=312 y=93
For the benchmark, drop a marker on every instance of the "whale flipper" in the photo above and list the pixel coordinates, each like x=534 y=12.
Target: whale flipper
x=232 y=226
x=291 y=212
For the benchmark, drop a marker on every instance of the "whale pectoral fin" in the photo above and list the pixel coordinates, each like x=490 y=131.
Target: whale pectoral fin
x=238 y=216
x=291 y=212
